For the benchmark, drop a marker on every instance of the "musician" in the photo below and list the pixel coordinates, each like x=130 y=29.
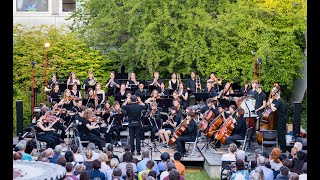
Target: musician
x=224 y=95
x=163 y=91
x=58 y=125
x=232 y=109
x=168 y=126
x=156 y=81
x=67 y=102
x=132 y=80
x=92 y=97
x=189 y=134
x=141 y=92
x=85 y=127
x=90 y=80
x=154 y=96
x=44 y=130
x=261 y=101
x=115 y=121
x=107 y=110
x=76 y=109
x=244 y=90
x=112 y=83
x=252 y=91
x=173 y=82
x=120 y=96
x=212 y=92
x=279 y=106
x=222 y=109
x=55 y=94
x=72 y=79
x=74 y=91
x=191 y=82
x=215 y=81
x=183 y=94
x=209 y=107
x=52 y=81
x=153 y=116
x=100 y=94
x=134 y=117
x=240 y=128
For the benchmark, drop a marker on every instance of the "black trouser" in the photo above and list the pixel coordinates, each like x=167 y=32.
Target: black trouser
x=115 y=131
x=51 y=138
x=96 y=132
x=59 y=125
x=92 y=138
x=281 y=132
x=135 y=129
x=153 y=130
x=233 y=138
x=181 y=142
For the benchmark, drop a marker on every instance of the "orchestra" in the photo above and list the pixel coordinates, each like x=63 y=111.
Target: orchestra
x=139 y=106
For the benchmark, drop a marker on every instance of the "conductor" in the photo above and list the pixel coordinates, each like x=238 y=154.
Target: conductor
x=134 y=107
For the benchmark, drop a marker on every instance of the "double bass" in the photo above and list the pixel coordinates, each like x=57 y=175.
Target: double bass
x=180 y=129
x=269 y=118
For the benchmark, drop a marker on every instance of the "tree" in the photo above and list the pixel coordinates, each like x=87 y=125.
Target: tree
x=65 y=54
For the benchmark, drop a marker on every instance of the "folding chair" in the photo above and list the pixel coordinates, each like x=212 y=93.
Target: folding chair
x=247 y=139
x=225 y=169
x=269 y=137
x=194 y=143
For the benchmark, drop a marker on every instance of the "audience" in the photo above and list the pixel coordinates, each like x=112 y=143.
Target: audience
x=127 y=159
x=240 y=170
x=96 y=173
x=69 y=172
x=149 y=166
x=231 y=156
x=284 y=173
x=267 y=172
x=145 y=157
x=303 y=175
x=164 y=159
x=179 y=166
x=77 y=156
x=21 y=146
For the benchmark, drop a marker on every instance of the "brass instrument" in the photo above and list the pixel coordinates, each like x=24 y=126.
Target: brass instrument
x=178 y=78
x=198 y=84
x=92 y=82
x=218 y=81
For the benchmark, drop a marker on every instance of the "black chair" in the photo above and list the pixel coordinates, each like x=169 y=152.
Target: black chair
x=226 y=170
x=270 y=138
x=247 y=139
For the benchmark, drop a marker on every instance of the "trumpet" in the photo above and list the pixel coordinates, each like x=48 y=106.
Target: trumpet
x=198 y=84
x=218 y=81
x=178 y=78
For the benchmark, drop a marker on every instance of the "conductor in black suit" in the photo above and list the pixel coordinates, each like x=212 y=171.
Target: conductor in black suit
x=134 y=108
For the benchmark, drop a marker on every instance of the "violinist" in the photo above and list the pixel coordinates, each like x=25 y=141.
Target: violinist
x=107 y=110
x=55 y=94
x=240 y=128
x=76 y=109
x=154 y=119
x=92 y=97
x=72 y=79
x=156 y=81
x=44 y=130
x=141 y=92
x=189 y=134
x=183 y=94
x=132 y=80
x=75 y=92
x=68 y=101
x=154 y=96
x=58 y=125
x=168 y=126
x=261 y=102
x=90 y=80
x=100 y=94
x=84 y=127
x=115 y=122
x=112 y=84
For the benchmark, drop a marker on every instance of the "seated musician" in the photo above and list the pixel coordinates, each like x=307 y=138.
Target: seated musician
x=163 y=91
x=85 y=126
x=132 y=80
x=209 y=107
x=212 y=92
x=44 y=130
x=55 y=94
x=112 y=84
x=76 y=109
x=183 y=94
x=156 y=81
x=224 y=95
x=240 y=128
x=90 y=80
x=154 y=96
x=115 y=122
x=92 y=97
x=153 y=124
x=189 y=134
x=141 y=92
x=74 y=91
x=120 y=96
x=168 y=126
x=58 y=125
x=175 y=96
x=67 y=103
x=100 y=94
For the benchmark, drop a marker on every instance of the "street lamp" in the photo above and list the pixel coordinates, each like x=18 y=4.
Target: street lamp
x=32 y=89
x=259 y=61
x=254 y=62
x=46 y=46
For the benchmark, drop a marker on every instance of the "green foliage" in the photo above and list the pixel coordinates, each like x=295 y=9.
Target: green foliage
x=66 y=53
x=206 y=35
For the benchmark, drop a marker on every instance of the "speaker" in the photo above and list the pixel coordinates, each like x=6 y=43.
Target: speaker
x=19 y=113
x=296 y=119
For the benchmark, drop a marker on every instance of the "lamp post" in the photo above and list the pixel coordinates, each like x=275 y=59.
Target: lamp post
x=259 y=60
x=254 y=62
x=46 y=46
x=32 y=89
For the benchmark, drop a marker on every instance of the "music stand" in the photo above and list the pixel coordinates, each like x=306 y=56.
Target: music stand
x=78 y=87
x=120 y=99
x=164 y=103
x=87 y=87
x=152 y=87
x=201 y=96
x=171 y=92
x=111 y=91
x=189 y=91
x=62 y=87
x=132 y=88
x=144 y=98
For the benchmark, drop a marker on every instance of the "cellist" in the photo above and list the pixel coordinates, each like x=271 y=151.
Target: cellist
x=240 y=128
x=189 y=134
x=205 y=112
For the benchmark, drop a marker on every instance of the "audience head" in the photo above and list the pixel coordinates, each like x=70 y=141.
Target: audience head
x=135 y=160
x=69 y=156
x=17 y=156
x=127 y=156
x=282 y=156
x=144 y=175
x=177 y=156
x=96 y=164
x=265 y=154
x=287 y=162
x=274 y=155
x=103 y=157
x=261 y=161
x=74 y=148
x=260 y=173
x=150 y=164
x=284 y=171
x=91 y=146
x=127 y=147
x=294 y=151
x=293 y=176
x=110 y=147
x=80 y=168
x=114 y=163
x=61 y=160
x=69 y=167
x=174 y=174
x=58 y=149
x=233 y=148
x=117 y=172
x=145 y=153
x=89 y=154
x=22 y=144
x=165 y=156
x=240 y=164
x=298 y=145
x=49 y=152
x=152 y=173
x=84 y=176
x=241 y=155
x=130 y=173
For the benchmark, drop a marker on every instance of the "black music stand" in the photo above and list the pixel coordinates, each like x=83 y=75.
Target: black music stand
x=62 y=87
x=120 y=99
x=78 y=87
x=201 y=96
x=170 y=92
x=87 y=87
x=132 y=88
x=189 y=92
x=111 y=91
x=152 y=87
x=144 y=97
x=164 y=103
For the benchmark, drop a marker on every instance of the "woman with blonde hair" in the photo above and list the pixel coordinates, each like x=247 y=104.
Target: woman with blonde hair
x=104 y=159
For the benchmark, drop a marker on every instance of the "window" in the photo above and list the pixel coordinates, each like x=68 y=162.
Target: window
x=32 y=5
x=68 y=5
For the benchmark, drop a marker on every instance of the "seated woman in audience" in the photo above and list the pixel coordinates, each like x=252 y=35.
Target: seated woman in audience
x=127 y=159
x=240 y=169
x=104 y=162
x=274 y=159
x=89 y=159
x=231 y=155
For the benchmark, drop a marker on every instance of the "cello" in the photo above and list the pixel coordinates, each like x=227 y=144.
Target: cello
x=269 y=118
x=207 y=118
x=215 y=124
x=180 y=129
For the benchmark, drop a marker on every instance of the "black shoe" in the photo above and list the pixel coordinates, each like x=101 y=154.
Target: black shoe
x=138 y=153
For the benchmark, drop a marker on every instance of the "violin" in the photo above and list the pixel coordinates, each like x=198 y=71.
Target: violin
x=70 y=98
